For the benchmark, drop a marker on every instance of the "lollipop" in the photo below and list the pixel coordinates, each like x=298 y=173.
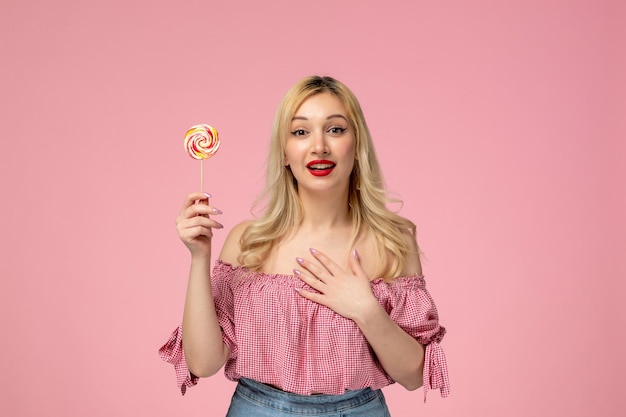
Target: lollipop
x=201 y=142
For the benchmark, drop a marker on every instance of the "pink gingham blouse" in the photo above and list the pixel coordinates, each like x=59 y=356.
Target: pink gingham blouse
x=278 y=337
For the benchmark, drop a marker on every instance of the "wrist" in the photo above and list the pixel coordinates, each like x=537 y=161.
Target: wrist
x=372 y=313
x=201 y=259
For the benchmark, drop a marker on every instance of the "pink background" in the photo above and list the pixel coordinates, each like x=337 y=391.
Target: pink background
x=500 y=123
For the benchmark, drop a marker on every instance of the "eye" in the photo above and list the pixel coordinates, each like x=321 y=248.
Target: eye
x=337 y=130
x=299 y=132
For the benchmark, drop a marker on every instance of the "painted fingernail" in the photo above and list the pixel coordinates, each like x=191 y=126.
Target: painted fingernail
x=207 y=195
x=300 y=260
x=298 y=290
x=219 y=225
x=313 y=251
x=355 y=254
x=216 y=211
x=295 y=271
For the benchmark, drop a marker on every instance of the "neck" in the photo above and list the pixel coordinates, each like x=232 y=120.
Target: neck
x=326 y=211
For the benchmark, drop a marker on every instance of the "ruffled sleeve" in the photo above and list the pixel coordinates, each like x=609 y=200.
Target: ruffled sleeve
x=413 y=309
x=172 y=352
x=435 y=370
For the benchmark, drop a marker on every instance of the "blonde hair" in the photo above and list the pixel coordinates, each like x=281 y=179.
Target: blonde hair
x=366 y=196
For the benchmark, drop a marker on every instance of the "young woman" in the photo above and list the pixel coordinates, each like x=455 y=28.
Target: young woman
x=320 y=302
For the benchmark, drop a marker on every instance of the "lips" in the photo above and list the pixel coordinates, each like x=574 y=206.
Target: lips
x=320 y=167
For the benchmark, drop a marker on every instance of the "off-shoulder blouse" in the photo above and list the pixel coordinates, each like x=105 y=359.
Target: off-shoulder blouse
x=280 y=338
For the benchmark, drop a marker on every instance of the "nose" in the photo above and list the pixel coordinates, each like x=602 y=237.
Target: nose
x=320 y=145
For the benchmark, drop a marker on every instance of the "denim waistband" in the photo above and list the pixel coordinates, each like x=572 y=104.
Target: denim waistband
x=303 y=404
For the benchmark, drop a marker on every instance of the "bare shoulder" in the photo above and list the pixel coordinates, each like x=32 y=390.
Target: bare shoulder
x=232 y=249
x=412 y=265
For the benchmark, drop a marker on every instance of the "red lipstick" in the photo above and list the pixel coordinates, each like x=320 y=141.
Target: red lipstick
x=320 y=167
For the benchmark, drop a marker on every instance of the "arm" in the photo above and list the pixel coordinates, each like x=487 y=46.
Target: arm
x=205 y=350
x=400 y=354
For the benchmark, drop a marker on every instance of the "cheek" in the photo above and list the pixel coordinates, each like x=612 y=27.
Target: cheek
x=295 y=148
x=349 y=157
x=349 y=150
x=290 y=152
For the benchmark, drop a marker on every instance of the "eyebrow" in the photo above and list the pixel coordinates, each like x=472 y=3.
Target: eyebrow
x=332 y=116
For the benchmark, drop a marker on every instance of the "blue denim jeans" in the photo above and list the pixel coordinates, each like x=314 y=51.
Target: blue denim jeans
x=253 y=399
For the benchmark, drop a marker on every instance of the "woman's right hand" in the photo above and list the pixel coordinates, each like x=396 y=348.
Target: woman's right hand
x=195 y=227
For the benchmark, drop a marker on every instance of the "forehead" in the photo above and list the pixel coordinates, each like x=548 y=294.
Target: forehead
x=320 y=105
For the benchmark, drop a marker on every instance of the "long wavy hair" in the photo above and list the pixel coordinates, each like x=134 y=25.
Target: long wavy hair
x=367 y=197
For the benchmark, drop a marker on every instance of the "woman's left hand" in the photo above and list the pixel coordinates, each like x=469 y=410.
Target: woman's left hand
x=348 y=293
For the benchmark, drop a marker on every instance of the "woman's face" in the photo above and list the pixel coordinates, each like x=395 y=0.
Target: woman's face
x=320 y=147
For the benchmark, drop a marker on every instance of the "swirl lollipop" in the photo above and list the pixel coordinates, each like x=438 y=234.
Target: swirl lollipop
x=201 y=142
